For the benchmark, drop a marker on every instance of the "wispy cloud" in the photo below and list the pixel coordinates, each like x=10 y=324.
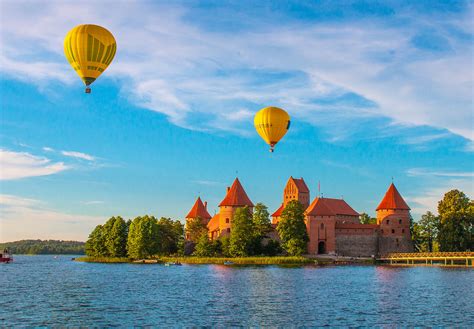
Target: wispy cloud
x=427 y=199
x=207 y=182
x=24 y=218
x=414 y=172
x=332 y=74
x=78 y=155
x=93 y=202
x=17 y=165
x=48 y=149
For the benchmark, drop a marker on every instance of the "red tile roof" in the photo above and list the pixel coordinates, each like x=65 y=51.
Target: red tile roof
x=330 y=207
x=213 y=224
x=198 y=210
x=236 y=196
x=300 y=184
x=278 y=212
x=393 y=200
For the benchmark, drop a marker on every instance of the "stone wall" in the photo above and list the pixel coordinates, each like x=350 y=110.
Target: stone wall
x=388 y=244
x=357 y=245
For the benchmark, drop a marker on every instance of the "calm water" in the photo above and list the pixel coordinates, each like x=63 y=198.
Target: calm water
x=43 y=291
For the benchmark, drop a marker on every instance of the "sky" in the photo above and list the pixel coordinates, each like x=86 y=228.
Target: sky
x=376 y=91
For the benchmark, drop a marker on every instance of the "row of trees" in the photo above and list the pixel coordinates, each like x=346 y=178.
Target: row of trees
x=252 y=234
x=44 y=247
x=451 y=230
x=139 y=238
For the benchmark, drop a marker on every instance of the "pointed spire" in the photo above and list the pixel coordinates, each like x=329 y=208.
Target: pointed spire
x=198 y=210
x=393 y=200
x=236 y=196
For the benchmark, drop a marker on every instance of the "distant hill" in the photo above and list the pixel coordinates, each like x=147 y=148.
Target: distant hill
x=44 y=247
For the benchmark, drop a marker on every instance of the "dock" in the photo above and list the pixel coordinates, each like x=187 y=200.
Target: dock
x=453 y=259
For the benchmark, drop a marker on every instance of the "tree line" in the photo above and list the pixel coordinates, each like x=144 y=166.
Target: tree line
x=451 y=230
x=44 y=247
x=142 y=237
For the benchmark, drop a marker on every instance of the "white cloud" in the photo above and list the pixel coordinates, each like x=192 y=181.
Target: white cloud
x=414 y=172
x=93 y=202
x=17 y=165
x=183 y=70
x=48 y=149
x=427 y=199
x=78 y=155
x=23 y=218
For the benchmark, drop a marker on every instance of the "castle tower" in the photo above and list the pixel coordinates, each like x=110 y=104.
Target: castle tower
x=295 y=189
x=199 y=209
x=234 y=199
x=393 y=216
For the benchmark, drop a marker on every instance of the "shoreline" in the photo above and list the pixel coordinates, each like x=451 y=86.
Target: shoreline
x=278 y=260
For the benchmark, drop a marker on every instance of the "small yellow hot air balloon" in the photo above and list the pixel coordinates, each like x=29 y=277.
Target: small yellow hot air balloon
x=89 y=49
x=271 y=124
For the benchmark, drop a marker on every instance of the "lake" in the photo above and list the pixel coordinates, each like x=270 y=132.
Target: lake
x=44 y=291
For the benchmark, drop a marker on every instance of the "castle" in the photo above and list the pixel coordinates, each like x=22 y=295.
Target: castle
x=333 y=225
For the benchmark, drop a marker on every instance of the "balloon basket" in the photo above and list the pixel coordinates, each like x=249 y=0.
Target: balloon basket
x=88 y=90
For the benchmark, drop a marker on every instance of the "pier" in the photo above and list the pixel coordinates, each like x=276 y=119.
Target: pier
x=458 y=259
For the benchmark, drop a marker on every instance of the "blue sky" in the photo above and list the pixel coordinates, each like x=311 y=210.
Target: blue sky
x=375 y=90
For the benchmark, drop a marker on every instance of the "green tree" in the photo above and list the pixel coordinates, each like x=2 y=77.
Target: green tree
x=415 y=232
x=223 y=246
x=115 y=233
x=261 y=220
x=204 y=247
x=292 y=229
x=428 y=230
x=456 y=228
x=261 y=227
x=242 y=235
x=170 y=234
x=95 y=244
x=195 y=228
x=366 y=219
x=142 y=239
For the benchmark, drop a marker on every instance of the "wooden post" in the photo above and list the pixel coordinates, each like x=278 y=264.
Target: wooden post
x=445 y=261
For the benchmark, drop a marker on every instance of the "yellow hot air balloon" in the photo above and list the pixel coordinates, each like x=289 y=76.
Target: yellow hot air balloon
x=271 y=124
x=89 y=49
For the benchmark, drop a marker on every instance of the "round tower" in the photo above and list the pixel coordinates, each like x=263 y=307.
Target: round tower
x=393 y=214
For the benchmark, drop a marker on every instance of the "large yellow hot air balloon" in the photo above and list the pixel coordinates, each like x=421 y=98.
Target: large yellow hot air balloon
x=272 y=123
x=89 y=49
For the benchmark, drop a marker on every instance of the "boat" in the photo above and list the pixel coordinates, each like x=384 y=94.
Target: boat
x=5 y=256
x=173 y=263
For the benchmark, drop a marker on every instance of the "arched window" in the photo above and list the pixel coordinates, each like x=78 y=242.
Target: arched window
x=322 y=225
x=228 y=230
x=399 y=221
x=393 y=231
x=388 y=221
x=227 y=220
x=403 y=231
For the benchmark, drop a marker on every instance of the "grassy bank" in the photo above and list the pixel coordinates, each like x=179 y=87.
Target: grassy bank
x=207 y=260
x=241 y=260
x=103 y=259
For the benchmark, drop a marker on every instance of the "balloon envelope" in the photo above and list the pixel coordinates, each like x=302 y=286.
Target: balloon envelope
x=89 y=49
x=271 y=124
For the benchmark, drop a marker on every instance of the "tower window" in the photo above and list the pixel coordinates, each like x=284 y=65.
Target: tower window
x=227 y=220
x=393 y=231
x=228 y=230
x=388 y=221
x=403 y=231
x=399 y=221
x=322 y=225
